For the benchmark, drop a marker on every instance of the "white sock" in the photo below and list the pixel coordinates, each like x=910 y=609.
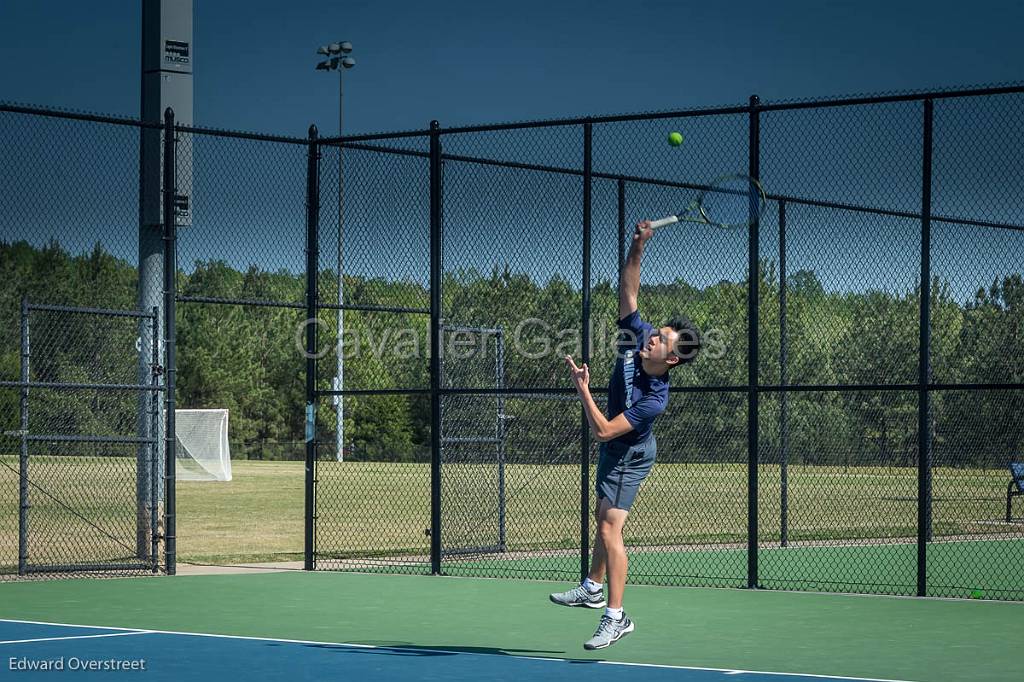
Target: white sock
x=613 y=613
x=591 y=586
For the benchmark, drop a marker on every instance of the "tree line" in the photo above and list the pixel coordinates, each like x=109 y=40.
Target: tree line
x=248 y=359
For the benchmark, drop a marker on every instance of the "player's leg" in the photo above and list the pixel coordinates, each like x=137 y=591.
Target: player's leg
x=609 y=529
x=628 y=475
x=599 y=557
x=614 y=623
x=589 y=593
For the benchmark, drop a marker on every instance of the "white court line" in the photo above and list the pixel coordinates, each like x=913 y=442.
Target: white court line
x=728 y=671
x=56 y=639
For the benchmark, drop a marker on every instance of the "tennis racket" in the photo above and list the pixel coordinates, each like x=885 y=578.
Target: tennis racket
x=731 y=201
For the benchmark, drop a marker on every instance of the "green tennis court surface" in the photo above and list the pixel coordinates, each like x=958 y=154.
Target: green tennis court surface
x=492 y=628
x=957 y=568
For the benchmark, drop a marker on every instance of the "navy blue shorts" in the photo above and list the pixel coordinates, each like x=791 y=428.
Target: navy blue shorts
x=621 y=470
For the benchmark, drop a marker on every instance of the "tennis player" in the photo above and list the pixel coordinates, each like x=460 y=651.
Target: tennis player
x=637 y=393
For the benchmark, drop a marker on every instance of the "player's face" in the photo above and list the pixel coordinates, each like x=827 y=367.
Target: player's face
x=660 y=345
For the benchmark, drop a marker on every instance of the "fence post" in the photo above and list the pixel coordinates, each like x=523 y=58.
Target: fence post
x=621 y=250
x=170 y=188
x=783 y=379
x=584 y=425
x=924 y=439
x=312 y=293
x=753 y=278
x=435 y=348
x=499 y=382
x=154 y=446
x=23 y=501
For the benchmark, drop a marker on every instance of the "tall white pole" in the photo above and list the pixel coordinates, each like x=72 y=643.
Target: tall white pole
x=339 y=401
x=168 y=61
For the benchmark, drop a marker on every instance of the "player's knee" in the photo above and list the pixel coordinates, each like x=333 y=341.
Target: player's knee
x=610 y=532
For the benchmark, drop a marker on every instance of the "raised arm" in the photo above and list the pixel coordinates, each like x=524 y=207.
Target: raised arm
x=629 y=278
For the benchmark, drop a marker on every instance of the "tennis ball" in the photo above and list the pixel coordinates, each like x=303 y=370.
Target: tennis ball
x=675 y=138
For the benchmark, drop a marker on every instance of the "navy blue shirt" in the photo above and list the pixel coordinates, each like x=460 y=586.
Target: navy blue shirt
x=648 y=395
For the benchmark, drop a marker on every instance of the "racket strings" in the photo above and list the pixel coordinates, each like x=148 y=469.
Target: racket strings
x=733 y=201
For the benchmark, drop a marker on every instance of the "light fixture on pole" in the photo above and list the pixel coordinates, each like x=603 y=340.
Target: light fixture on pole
x=339 y=60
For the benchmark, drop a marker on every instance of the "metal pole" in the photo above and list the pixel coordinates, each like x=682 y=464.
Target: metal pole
x=144 y=472
x=753 y=277
x=312 y=260
x=170 y=343
x=622 y=227
x=154 y=449
x=924 y=441
x=163 y=83
x=23 y=501
x=435 y=348
x=584 y=426
x=500 y=383
x=150 y=288
x=783 y=379
x=339 y=401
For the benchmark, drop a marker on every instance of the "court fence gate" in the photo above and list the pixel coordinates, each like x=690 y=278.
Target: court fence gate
x=89 y=486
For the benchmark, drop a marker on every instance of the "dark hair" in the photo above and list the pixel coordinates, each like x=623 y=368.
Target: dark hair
x=689 y=342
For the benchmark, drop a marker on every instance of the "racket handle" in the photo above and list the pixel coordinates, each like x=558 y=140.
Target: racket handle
x=655 y=224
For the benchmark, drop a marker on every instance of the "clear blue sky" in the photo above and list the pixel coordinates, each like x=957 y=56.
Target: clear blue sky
x=472 y=61
x=477 y=62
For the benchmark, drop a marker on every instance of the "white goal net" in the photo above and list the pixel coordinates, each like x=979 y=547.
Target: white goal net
x=202 y=452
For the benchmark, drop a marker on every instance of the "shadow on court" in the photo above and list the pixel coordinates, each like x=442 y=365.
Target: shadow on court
x=409 y=649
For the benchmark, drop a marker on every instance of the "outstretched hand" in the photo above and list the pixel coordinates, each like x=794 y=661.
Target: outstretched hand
x=580 y=375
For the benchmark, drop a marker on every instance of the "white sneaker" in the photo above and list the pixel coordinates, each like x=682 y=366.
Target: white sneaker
x=609 y=631
x=579 y=596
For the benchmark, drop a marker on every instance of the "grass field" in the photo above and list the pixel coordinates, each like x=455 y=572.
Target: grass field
x=688 y=526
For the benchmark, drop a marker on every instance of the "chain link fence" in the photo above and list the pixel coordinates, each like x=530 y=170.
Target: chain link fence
x=373 y=452
x=240 y=302
x=841 y=431
x=80 y=476
x=84 y=448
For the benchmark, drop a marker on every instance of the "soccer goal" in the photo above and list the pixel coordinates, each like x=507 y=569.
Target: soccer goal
x=202 y=452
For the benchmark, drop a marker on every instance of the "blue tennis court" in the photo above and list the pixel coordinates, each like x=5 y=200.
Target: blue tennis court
x=35 y=650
